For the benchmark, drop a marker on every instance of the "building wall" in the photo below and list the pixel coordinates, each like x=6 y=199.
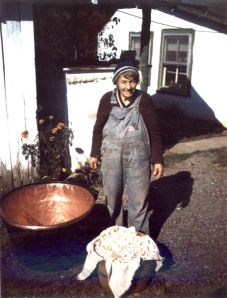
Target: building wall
x=208 y=75
x=208 y=70
x=84 y=91
x=208 y=96
x=17 y=89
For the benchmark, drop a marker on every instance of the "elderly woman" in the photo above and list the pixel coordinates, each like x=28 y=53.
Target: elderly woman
x=126 y=139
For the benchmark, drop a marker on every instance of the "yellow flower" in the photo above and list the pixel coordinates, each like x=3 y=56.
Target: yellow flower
x=63 y=170
x=41 y=121
x=54 y=130
x=52 y=138
x=51 y=117
x=60 y=125
x=24 y=134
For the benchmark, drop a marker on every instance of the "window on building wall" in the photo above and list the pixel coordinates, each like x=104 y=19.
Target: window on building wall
x=176 y=61
x=134 y=45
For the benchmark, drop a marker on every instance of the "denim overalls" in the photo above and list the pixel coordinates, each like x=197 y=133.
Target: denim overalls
x=126 y=162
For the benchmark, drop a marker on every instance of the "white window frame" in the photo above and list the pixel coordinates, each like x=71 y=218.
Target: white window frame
x=178 y=89
x=138 y=35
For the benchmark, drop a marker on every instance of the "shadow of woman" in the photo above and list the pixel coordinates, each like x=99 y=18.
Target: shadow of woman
x=167 y=194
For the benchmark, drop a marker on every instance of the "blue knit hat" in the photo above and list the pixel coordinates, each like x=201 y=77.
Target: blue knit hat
x=123 y=67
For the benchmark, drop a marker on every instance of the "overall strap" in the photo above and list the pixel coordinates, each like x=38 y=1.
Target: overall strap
x=136 y=113
x=113 y=99
x=135 y=107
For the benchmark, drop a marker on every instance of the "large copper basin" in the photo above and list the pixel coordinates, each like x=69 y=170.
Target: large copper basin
x=46 y=206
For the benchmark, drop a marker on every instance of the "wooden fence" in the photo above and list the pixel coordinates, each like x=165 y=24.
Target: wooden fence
x=17 y=91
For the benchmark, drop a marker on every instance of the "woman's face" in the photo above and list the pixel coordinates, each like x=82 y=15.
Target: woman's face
x=126 y=86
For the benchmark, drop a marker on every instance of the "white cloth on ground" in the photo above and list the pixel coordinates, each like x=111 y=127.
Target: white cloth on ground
x=120 y=267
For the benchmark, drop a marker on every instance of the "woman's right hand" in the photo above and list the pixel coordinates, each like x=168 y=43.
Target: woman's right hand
x=93 y=162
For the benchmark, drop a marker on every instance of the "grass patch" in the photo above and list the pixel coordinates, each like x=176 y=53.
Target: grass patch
x=221 y=157
x=171 y=158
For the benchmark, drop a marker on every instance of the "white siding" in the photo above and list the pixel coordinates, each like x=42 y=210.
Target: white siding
x=209 y=71
x=208 y=98
x=83 y=100
x=18 y=90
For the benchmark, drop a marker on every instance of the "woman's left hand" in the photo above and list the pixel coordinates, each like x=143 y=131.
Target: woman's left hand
x=158 y=169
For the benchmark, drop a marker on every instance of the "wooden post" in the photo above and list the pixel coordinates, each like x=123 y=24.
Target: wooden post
x=144 y=51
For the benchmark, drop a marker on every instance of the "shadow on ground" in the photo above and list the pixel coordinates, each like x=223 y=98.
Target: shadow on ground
x=58 y=255
x=184 y=117
x=46 y=255
x=167 y=194
x=175 y=127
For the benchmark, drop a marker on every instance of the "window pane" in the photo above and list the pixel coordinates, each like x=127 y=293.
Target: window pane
x=170 y=49
x=176 y=49
x=175 y=61
x=183 y=49
x=170 y=75
x=182 y=69
x=175 y=79
x=136 y=46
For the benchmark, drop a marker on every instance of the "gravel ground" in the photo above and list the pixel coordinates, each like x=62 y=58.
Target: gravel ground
x=188 y=221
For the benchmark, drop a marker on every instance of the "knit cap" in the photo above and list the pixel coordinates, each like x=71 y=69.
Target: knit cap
x=123 y=67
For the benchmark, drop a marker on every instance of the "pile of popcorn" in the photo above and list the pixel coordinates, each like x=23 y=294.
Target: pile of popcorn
x=124 y=244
